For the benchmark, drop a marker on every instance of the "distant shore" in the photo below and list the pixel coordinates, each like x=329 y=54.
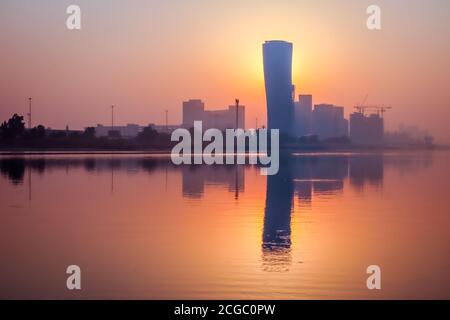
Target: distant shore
x=165 y=151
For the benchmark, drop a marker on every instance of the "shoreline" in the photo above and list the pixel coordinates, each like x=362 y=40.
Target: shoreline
x=167 y=151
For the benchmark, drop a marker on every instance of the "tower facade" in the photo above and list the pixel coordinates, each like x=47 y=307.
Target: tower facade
x=277 y=57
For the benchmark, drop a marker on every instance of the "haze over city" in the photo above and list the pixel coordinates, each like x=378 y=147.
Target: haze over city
x=217 y=157
x=146 y=57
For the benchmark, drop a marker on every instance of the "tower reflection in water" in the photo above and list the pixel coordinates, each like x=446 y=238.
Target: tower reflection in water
x=276 y=242
x=303 y=176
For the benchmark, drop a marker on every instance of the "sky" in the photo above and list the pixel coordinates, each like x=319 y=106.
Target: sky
x=146 y=56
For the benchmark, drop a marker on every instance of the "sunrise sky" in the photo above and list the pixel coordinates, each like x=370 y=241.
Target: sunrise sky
x=147 y=56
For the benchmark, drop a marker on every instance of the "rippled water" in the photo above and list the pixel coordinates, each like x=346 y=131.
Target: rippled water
x=140 y=227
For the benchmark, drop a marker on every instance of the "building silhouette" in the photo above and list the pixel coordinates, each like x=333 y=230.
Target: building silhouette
x=328 y=121
x=277 y=57
x=194 y=110
x=131 y=130
x=366 y=129
x=303 y=115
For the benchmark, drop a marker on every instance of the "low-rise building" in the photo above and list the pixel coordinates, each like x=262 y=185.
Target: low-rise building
x=129 y=131
x=231 y=118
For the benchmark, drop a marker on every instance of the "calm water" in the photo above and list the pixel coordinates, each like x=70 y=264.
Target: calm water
x=140 y=227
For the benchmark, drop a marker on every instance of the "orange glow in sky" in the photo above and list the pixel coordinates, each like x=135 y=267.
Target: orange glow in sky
x=148 y=56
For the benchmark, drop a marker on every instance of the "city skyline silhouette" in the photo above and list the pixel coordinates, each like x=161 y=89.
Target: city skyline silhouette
x=237 y=150
x=169 y=58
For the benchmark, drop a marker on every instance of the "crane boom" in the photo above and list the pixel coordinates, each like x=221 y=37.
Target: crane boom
x=380 y=110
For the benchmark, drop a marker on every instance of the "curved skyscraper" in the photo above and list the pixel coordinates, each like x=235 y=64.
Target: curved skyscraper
x=278 y=80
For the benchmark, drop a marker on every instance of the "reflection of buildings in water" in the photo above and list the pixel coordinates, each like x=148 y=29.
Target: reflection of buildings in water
x=14 y=167
x=325 y=175
x=366 y=169
x=318 y=175
x=328 y=187
x=305 y=176
x=196 y=177
x=303 y=190
x=312 y=174
x=276 y=238
x=404 y=163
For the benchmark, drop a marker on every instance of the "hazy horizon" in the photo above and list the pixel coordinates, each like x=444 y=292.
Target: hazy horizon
x=147 y=56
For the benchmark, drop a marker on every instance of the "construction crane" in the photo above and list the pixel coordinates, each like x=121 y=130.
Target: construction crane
x=380 y=110
x=364 y=100
x=383 y=109
x=359 y=106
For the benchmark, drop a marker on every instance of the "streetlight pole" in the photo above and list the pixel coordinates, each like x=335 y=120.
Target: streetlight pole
x=112 y=117
x=237 y=110
x=29 y=113
x=167 y=120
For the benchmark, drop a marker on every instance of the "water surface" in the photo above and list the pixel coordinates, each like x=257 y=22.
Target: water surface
x=140 y=227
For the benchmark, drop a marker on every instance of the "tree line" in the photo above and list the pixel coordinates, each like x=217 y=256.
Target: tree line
x=14 y=134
